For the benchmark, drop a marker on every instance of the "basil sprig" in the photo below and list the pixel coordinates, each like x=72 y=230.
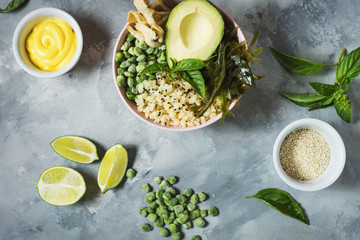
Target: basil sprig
x=14 y=4
x=188 y=70
x=348 y=68
x=282 y=202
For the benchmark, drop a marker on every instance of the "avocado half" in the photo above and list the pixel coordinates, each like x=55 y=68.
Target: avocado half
x=194 y=30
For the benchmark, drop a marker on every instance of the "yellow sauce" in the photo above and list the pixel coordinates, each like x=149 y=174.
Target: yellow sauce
x=51 y=45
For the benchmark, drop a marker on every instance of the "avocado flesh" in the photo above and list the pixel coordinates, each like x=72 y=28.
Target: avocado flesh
x=194 y=30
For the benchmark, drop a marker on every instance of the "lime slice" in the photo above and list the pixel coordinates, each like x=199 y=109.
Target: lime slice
x=112 y=167
x=61 y=186
x=75 y=148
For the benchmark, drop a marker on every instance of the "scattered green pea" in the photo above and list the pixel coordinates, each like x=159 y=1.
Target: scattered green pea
x=121 y=80
x=150 y=50
x=119 y=56
x=188 y=192
x=194 y=199
x=171 y=190
x=159 y=194
x=134 y=90
x=167 y=195
x=131 y=59
x=131 y=50
x=213 y=211
x=203 y=213
x=129 y=37
x=195 y=214
x=173 y=202
x=181 y=198
x=168 y=221
x=159 y=222
x=124 y=64
x=130 y=173
x=171 y=179
x=150 y=57
x=129 y=74
x=145 y=227
x=176 y=235
x=183 y=217
x=143 y=212
x=173 y=228
x=202 y=196
x=150 y=209
x=164 y=232
x=164 y=185
x=152 y=217
x=130 y=95
x=143 y=45
x=178 y=209
x=125 y=46
x=187 y=225
x=151 y=196
x=146 y=187
x=126 y=54
x=196 y=237
x=153 y=205
x=141 y=57
x=157 y=180
x=120 y=71
x=191 y=207
x=199 y=222
x=163 y=213
x=132 y=69
x=139 y=68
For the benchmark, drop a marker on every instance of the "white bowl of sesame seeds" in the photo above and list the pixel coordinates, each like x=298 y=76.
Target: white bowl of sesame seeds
x=309 y=154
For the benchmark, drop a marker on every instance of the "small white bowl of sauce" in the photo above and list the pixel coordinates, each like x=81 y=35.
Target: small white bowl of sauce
x=47 y=42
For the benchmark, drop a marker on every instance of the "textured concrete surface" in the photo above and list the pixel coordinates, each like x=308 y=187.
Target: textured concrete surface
x=228 y=163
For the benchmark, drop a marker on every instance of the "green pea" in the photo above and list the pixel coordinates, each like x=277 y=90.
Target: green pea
x=158 y=54
x=130 y=81
x=176 y=236
x=121 y=80
x=164 y=232
x=183 y=217
x=156 y=50
x=143 y=212
x=137 y=51
x=196 y=237
x=162 y=56
x=125 y=46
x=151 y=62
x=203 y=213
x=129 y=74
x=173 y=228
x=194 y=199
x=171 y=190
x=176 y=222
x=199 y=222
x=126 y=54
x=188 y=192
x=173 y=201
x=142 y=78
x=168 y=221
x=151 y=77
x=119 y=56
x=152 y=217
x=167 y=202
x=132 y=68
x=130 y=173
x=167 y=195
x=145 y=227
x=137 y=42
x=191 y=207
x=131 y=50
x=195 y=214
x=130 y=95
x=120 y=71
x=159 y=222
x=143 y=63
x=163 y=63
x=178 y=209
x=202 y=196
x=150 y=57
x=153 y=205
x=146 y=187
x=159 y=193
x=163 y=213
x=150 y=50
x=187 y=225
x=181 y=198
x=132 y=59
x=164 y=185
x=140 y=58
x=139 y=68
x=124 y=64
x=213 y=211
x=129 y=37
x=143 y=46
x=159 y=201
x=171 y=179
x=134 y=90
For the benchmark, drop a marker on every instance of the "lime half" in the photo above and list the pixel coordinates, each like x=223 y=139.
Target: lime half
x=61 y=186
x=77 y=149
x=112 y=167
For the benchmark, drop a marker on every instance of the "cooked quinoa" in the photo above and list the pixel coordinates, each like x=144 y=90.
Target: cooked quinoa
x=168 y=102
x=304 y=154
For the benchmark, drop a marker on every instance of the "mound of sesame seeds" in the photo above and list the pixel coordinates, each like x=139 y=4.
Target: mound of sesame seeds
x=168 y=102
x=304 y=154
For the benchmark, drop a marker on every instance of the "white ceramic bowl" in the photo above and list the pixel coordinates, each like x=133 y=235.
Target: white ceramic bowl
x=131 y=105
x=24 y=28
x=337 y=154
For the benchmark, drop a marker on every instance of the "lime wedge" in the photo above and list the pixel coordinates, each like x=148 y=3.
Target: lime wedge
x=77 y=149
x=61 y=186
x=112 y=167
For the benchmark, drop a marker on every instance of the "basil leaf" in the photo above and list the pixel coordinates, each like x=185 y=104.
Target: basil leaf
x=323 y=104
x=349 y=67
x=303 y=100
x=154 y=68
x=14 y=4
x=297 y=65
x=324 y=89
x=188 y=65
x=196 y=80
x=343 y=105
x=282 y=202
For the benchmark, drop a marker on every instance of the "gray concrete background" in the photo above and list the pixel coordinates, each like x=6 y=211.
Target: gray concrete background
x=228 y=163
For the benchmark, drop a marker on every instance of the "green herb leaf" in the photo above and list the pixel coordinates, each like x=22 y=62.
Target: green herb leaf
x=343 y=105
x=324 y=89
x=326 y=102
x=304 y=100
x=297 y=65
x=188 y=65
x=154 y=68
x=349 y=67
x=195 y=79
x=282 y=202
x=14 y=4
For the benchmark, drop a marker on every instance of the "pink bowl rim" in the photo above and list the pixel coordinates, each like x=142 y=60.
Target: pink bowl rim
x=149 y=121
